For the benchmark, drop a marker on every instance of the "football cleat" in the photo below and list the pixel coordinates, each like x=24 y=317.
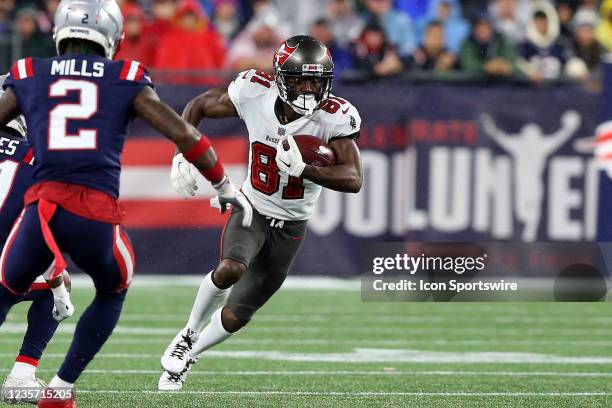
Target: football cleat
x=58 y=403
x=22 y=391
x=176 y=356
x=174 y=382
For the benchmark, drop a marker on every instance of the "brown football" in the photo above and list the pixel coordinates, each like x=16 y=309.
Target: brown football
x=314 y=151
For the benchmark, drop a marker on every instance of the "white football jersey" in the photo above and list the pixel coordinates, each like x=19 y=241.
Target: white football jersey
x=273 y=192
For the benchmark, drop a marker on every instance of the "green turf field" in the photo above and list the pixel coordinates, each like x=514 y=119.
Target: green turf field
x=326 y=348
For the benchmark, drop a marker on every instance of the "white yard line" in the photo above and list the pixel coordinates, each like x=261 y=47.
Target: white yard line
x=352 y=373
x=193 y=281
x=117 y=340
x=375 y=355
x=162 y=341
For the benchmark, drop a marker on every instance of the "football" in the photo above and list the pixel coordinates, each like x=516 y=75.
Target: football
x=314 y=151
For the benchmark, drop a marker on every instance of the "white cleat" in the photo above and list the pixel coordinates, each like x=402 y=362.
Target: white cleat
x=22 y=391
x=174 y=382
x=176 y=356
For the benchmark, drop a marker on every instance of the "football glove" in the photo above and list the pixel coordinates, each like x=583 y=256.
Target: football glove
x=183 y=176
x=227 y=196
x=290 y=161
x=62 y=308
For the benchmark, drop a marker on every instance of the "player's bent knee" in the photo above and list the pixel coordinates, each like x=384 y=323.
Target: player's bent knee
x=227 y=273
x=231 y=322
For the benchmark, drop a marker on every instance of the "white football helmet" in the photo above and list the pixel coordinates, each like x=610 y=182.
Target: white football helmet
x=98 y=21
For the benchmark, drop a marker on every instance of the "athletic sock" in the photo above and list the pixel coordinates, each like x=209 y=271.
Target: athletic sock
x=41 y=326
x=214 y=333
x=57 y=382
x=22 y=370
x=209 y=298
x=93 y=329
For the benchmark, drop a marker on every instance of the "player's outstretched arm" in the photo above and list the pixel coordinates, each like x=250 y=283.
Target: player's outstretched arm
x=195 y=148
x=214 y=103
x=164 y=119
x=345 y=176
x=9 y=109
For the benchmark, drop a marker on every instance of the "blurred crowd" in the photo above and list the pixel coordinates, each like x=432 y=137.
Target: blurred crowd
x=536 y=40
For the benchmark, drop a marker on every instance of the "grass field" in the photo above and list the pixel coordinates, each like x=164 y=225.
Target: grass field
x=325 y=348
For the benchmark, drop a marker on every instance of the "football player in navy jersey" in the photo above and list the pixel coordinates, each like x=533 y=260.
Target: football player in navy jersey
x=77 y=107
x=50 y=301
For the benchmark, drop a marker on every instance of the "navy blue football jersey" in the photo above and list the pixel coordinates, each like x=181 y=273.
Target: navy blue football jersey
x=77 y=109
x=16 y=176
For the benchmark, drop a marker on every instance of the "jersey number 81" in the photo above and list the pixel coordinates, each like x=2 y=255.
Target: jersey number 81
x=265 y=175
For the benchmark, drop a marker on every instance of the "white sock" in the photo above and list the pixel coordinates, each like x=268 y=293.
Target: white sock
x=21 y=371
x=208 y=299
x=213 y=334
x=57 y=382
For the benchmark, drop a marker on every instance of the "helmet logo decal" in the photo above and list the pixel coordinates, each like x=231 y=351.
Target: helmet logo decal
x=284 y=52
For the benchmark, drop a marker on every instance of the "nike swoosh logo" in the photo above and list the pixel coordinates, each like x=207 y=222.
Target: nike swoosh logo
x=282 y=161
x=345 y=111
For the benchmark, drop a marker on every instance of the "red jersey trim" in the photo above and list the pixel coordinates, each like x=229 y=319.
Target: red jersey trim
x=29 y=157
x=24 y=68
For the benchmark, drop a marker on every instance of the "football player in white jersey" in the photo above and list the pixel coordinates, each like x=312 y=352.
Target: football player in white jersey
x=281 y=187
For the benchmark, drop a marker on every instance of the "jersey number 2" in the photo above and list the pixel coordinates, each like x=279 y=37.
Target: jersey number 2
x=84 y=109
x=265 y=177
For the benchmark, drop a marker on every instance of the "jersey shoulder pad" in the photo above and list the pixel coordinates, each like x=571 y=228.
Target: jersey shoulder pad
x=343 y=117
x=134 y=71
x=22 y=69
x=248 y=86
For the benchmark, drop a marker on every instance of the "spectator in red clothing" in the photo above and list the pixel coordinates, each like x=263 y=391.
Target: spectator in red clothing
x=191 y=44
x=136 y=44
x=164 y=12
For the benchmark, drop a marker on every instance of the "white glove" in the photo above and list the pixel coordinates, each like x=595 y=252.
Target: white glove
x=228 y=196
x=62 y=305
x=183 y=176
x=62 y=308
x=290 y=161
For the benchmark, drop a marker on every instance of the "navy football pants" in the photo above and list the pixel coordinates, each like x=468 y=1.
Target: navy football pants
x=101 y=249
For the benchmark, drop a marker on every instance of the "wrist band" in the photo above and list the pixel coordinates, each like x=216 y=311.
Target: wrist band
x=215 y=174
x=197 y=150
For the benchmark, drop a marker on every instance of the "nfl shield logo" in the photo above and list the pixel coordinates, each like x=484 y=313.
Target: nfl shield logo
x=281 y=131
